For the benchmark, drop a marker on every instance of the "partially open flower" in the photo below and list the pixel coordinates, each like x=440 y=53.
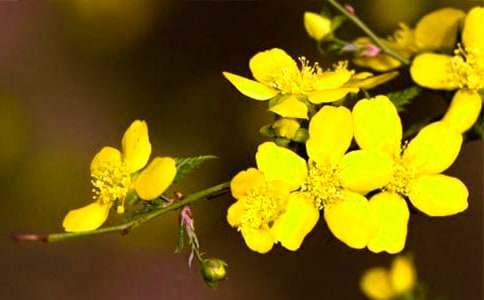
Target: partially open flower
x=213 y=271
x=316 y=25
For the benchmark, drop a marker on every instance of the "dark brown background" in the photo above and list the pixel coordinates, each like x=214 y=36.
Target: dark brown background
x=72 y=80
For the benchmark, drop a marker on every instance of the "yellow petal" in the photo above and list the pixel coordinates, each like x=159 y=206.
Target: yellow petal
x=108 y=157
x=258 y=240
x=434 y=149
x=438 y=29
x=251 y=88
x=349 y=220
x=391 y=215
x=332 y=79
x=379 y=63
x=372 y=81
x=330 y=134
x=296 y=222
x=156 y=178
x=433 y=71
x=377 y=125
x=403 y=275
x=245 y=181
x=89 y=217
x=330 y=95
x=474 y=30
x=136 y=146
x=235 y=213
x=286 y=127
x=464 y=110
x=376 y=284
x=438 y=195
x=316 y=25
x=279 y=163
x=272 y=65
x=291 y=107
x=365 y=170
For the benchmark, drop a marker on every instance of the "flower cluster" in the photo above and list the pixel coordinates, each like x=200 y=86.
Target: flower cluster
x=350 y=163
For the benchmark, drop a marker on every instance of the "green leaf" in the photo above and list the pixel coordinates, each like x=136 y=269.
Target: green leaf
x=404 y=97
x=181 y=240
x=185 y=165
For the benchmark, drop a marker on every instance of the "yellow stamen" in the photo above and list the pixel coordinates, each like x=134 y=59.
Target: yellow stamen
x=111 y=182
x=467 y=68
x=323 y=184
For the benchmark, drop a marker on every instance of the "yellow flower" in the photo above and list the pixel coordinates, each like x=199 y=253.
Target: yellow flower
x=115 y=174
x=264 y=203
x=381 y=284
x=415 y=170
x=277 y=74
x=435 y=31
x=316 y=25
x=463 y=71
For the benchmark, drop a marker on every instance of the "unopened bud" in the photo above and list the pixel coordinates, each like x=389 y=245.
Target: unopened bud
x=316 y=25
x=286 y=128
x=213 y=271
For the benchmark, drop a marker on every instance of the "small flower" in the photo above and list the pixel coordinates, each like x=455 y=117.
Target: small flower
x=463 y=72
x=435 y=31
x=316 y=25
x=277 y=74
x=286 y=128
x=115 y=174
x=411 y=171
x=213 y=271
x=382 y=284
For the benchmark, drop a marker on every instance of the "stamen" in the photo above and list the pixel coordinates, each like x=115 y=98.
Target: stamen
x=467 y=68
x=323 y=185
x=111 y=182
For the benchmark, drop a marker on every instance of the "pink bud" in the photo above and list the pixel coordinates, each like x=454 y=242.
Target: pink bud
x=370 y=50
x=350 y=9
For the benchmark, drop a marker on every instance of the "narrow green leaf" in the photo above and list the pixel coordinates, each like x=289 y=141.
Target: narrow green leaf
x=404 y=97
x=185 y=165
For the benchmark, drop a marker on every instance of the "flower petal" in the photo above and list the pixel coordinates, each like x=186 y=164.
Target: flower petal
x=89 y=217
x=291 y=107
x=391 y=214
x=376 y=284
x=464 y=110
x=438 y=29
x=258 y=240
x=279 y=163
x=332 y=79
x=438 y=195
x=107 y=157
x=349 y=220
x=330 y=134
x=156 y=178
x=433 y=71
x=330 y=95
x=371 y=82
x=474 y=29
x=377 y=125
x=235 y=213
x=365 y=170
x=251 y=88
x=272 y=65
x=296 y=222
x=245 y=181
x=136 y=146
x=402 y=274
x=433 y=150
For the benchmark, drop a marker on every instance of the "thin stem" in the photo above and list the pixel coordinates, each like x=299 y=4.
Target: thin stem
x=124 y=228
x=370 y=33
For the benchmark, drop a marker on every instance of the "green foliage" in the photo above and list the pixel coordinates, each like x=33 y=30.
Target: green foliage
x=185 y=165
x=404 y=97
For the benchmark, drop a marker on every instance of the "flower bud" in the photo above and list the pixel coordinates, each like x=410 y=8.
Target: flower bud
x=286 y=128
x=213 y=271
x=316 y=25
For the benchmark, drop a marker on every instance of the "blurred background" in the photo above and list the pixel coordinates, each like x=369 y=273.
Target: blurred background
x=74 y=74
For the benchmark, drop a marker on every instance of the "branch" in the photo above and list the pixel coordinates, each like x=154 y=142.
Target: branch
x=125 y=228
x=370 y=33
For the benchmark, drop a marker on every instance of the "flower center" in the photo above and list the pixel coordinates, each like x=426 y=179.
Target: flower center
x=111 y=182
x=400 y=180
x=467 y=68
x=262 y=206
x=323 y=185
